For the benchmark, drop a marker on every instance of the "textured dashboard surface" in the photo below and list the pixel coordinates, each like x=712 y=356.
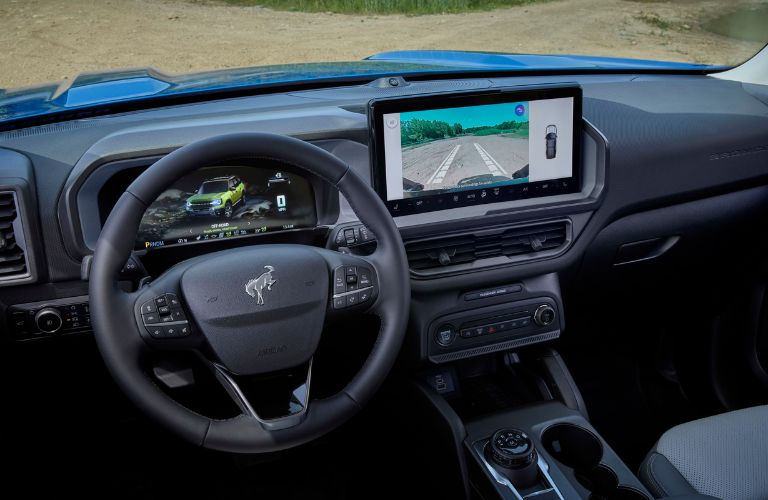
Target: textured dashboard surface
x=670 y=137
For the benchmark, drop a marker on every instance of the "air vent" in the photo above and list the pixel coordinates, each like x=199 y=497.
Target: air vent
x=13 y=261
x=502 y=244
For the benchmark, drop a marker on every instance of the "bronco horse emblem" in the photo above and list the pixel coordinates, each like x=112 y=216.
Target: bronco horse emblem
x=256 y=286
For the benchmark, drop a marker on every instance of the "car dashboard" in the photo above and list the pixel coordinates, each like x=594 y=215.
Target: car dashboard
x=662 y=160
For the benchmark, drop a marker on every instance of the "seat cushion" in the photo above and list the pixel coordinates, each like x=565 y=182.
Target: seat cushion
x=725 y=456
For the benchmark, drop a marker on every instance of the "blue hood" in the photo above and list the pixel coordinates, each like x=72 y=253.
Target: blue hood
x=94 y=91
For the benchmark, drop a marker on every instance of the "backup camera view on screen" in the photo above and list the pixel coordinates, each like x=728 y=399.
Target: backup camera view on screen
x=225 y=202
x=435 y=151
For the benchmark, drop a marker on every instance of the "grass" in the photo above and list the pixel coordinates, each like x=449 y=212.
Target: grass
x=655 y=20
x=409 y=7
x=748 y=23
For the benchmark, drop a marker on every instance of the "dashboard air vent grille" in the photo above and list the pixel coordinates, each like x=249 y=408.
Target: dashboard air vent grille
x=529 y=240
x=13 y=261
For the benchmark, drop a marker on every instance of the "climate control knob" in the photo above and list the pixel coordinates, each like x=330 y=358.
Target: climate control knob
x=48 y=320
x=544 y=315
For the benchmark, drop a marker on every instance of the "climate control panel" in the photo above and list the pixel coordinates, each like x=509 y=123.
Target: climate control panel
x=494 y=328
x=50 y=318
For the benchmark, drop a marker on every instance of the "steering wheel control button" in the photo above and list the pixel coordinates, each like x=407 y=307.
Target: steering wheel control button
x=339 y=302
x=363 y=296
x=352 y=299
x=339 y=238
x=350 y=237
x=155 y=331
x=164 y=318
x=351 y=278
x=364 y=277
x=354 y=236
x=178 y=315
x=339 y=281
x=366 y=235
x=445 y=335
x=172 y=331
x=150 y=318
x=148 y=307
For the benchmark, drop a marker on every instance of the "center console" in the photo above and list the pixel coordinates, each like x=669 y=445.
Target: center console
x=521 y=430
x=568 y=458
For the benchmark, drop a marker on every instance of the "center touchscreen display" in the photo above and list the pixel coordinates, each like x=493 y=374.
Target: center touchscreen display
x=440 y=153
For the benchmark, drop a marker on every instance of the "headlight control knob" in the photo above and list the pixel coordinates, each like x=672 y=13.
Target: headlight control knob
x=48 y=320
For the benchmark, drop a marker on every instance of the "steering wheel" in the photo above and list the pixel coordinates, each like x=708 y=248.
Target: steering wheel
x=251 y=310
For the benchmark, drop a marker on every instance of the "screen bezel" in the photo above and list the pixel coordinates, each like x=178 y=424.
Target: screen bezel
x=377 y=108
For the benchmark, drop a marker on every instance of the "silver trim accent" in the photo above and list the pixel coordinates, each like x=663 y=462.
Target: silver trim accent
x=49 y=310
x=542 y=464
x=489 y=348
x=300 y=396
x=255 y=286
x=337 y=295
x=539 y=311
x=168 y=323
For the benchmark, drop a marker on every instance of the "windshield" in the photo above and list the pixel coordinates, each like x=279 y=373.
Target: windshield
x=48 y=40
x=213 y=187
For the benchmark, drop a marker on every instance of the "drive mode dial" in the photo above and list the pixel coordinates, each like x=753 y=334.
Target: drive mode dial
x=511 y=448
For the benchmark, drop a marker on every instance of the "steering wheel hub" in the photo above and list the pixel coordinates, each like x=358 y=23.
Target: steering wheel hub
x=260 y=309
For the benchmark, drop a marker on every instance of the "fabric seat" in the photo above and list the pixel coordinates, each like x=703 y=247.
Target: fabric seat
x=725 y=456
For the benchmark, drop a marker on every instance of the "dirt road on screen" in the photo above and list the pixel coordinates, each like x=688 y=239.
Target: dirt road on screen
x=443 y=164
x=49 y=40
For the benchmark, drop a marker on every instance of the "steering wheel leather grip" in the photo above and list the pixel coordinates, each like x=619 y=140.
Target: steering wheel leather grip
x=123 y=345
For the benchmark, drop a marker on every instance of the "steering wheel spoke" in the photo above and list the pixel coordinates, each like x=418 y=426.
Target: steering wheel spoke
x=275 y=409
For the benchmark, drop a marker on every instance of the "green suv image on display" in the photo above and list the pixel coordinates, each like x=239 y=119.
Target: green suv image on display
x=217 y=196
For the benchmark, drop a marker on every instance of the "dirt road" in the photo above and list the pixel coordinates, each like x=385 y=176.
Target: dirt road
x=442 y=164
x=47 y=40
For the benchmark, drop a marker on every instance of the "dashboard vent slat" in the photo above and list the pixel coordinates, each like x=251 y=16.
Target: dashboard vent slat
x=517 y=241
x=13 y=260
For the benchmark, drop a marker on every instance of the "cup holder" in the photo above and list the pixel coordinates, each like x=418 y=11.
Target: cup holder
x=600 y=480
x=582 y=451
x=627 y=493
x=573 y=446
